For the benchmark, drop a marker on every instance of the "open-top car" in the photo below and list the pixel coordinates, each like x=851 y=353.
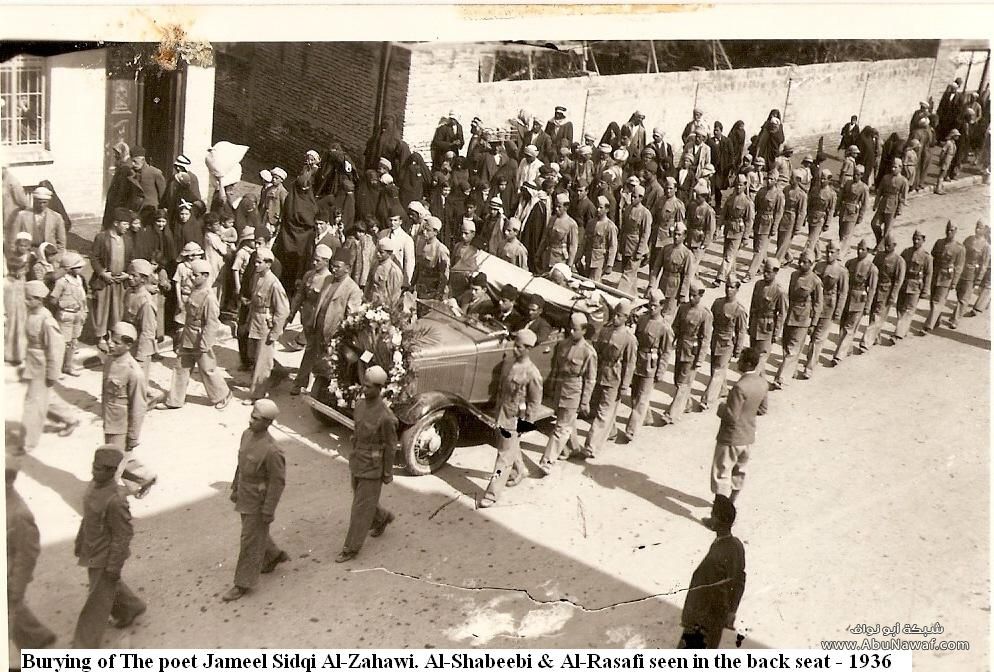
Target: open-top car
x=458 y=361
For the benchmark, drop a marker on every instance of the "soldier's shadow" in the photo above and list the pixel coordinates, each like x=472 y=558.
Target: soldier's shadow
x=666 y=498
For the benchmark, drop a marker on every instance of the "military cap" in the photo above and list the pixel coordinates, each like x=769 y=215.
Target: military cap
x=852 y=149
x=202 y=266
x=265 y=254
x=375 y=375
x=696 y=287
x=578 y=320
x=525 y=337
x=387 y=244
x=107 y=456
x=655 y=295
x=509 y=292
x=771 y=264
x=71 y=260
x=479 y=279
x=123 y=215
x=266 y=408
x=125 y=330
x=142 y=267
x=623 y=307
x=35 y=289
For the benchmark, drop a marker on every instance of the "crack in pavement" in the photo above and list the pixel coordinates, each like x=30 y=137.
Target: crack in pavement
x=583 y=516
x=450 y=501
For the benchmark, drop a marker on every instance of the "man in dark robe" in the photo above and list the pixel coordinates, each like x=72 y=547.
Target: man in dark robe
x=448 y=138
x=296 y=236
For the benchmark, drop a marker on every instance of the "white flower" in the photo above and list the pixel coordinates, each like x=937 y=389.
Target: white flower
x=398 y=357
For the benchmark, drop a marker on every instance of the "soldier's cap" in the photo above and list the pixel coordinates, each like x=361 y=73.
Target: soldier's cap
x=536 y=300
x=71 y=260
x=248 y=233
x=860 y=169
x=578 y=320
x=479 y=279
x=525 y=337
x=633 y=181
x=701 y=190
x=771 y=265
x=264 y=254
x=375 y=375
x=531 y=150
x=723 y=510
x=23 y=235
x=123 y=215
x=759 y=161
x=514 y=224
x=387 y=244
x=35 y=289
x=587 y=285
x=680 y=227
x=562 y=269
x=509 y=292
x=655 y=295
x=918 y=234
x=898 y=162
x=623 y=307
x=620 y=155
x=734 y=281
x=834 y=245
x=125 y=330
x=266 y=408
x=670 y=181
x=807 y=159
x=696 y=286
x=191 y=249
x=107 y=456
x=603 y=201
x=639 y=191
x=142 y=267
x=562 y=198
x=202 y=266
x=825 y=174
x=266 y=175
x=852 y=149
x=42 y=194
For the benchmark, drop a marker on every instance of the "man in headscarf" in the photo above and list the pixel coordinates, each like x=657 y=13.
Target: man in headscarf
x=537 y=138
x=560 y=129
x=770 y=138
x=633 y=134
x=296 y=236
x=950 y=107
x=448 y=138
x=695 y=125
x=533 y=214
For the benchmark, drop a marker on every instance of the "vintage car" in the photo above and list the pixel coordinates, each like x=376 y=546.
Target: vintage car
x=456 y=371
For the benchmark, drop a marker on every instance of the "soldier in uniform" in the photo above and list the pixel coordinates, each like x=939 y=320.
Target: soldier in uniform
x=268 y=311
x=848 y=170
x=692 y=328
x=24 y=630
x=770 y=204
x=636 y=225
x=195 y=345
x=767 y=313
x=519 y=396
x=946 y=157
x=305 y=300
x=917 y=281
x=560 y=239
x=976 y=263
x=862 y=288
x=701 y=217
x=835 y=288
x=891 y=197
x=730 y=328
x=821 y=205
x=851 y=206
x=601 y=243
x=948 y=258
x=655 y=343
x=573 y=376
x=666 y=214
x=102 y=545
x=676 y=271
x=510 y=249
x=256 y=489
x=42 y=366
x=795 y=210
x=141 y=311
x=737 y=213
x=890 y=279
x=71 y=308
x=616 y=355
x=386 y=279
x=431 y=262
x=805 y=298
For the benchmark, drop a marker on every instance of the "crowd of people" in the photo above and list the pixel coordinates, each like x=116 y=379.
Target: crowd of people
x=342 y=234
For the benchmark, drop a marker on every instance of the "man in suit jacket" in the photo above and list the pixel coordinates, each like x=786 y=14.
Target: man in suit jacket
x=339 y=297
x=737 y=432
x=44 y=225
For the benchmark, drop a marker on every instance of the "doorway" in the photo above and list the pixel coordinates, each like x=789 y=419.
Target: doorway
x=160 y=115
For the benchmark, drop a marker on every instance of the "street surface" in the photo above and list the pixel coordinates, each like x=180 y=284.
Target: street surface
x=866 y=501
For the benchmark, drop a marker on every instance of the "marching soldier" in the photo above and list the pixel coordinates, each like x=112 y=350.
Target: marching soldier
x=976 y=263
x=256 y=489
x=701 y=217
x=691 y=340
x=851 y=207
x=891 y=197
x=728 y=336
x=655 y=342
x=71 y=308
x=890 y=279
x=195 y=345
x=636 y=225
x=863 y=276
x=676 y=270
x=767 y=313
x=601 y=241
x=573 y=376
x=948 y=257
x=305 y=300
x=805 y=297
x=141 y=311
x=268 y=311
x=835 y=288
x=616 y=353
x=102 y=545
x=42 y=366
x=770 y=205
x=737 y=213
x=821 y=205
x=431 y=262
x=794 y=211
x=519 y=395
x=666 y=215
x=917 y=281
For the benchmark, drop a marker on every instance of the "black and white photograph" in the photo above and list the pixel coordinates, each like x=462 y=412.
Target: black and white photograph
x=498 y=327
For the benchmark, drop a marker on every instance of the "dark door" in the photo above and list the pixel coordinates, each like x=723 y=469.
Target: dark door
x=161 y=116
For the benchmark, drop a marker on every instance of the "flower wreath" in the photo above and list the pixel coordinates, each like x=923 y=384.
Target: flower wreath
x=372 y=335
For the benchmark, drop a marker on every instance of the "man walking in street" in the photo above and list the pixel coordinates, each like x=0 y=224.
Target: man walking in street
x=891 y=198
x=977 y=260
x=676 y=271
x=691 y=340
x=805 y=298
x=794 y=212
x=862 y=288
x=821 y=205
x=655 y=343
x=256 y=489
x=636 y=225
x=835 y=287
x=71 y=307
x=616 y=353
x=767 y=314
x=737 y=215
x=770 y=204
x=851 y=206
x=730 y=328
x=948 y=259
x=917 y=282
x=268 y=311
x=890 y=279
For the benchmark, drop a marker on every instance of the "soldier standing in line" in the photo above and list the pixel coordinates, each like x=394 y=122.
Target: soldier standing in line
x=976 y=263
x=821 y=205
x=737 y=213
x=560 y=239
x=69 y=299
x=102 y=545
x=616 y=350
x=669 y=212
x=42 y=366
x=256 y=489
x=767 y=313
x=305 y=300
x=946 y=157
x=701 y=217
x=851 y=207
x=794 y=211
x=601 y=239
x=141 y=312
x=862 y=288
x=636 y=225
x=519 y=395
x=676 y=270
x=835 y=288
x=655 y=343
x=917 y=281
x=770 y=204
x=195 y=345
x=890 y=279
x=891 y=197
x=692 y=328
x=805 y=298
x=268 y=311
x=573 y=375
x=948 y=258
x=731 y=326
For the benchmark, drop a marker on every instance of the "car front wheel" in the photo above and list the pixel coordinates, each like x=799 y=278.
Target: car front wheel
x=428 y=443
